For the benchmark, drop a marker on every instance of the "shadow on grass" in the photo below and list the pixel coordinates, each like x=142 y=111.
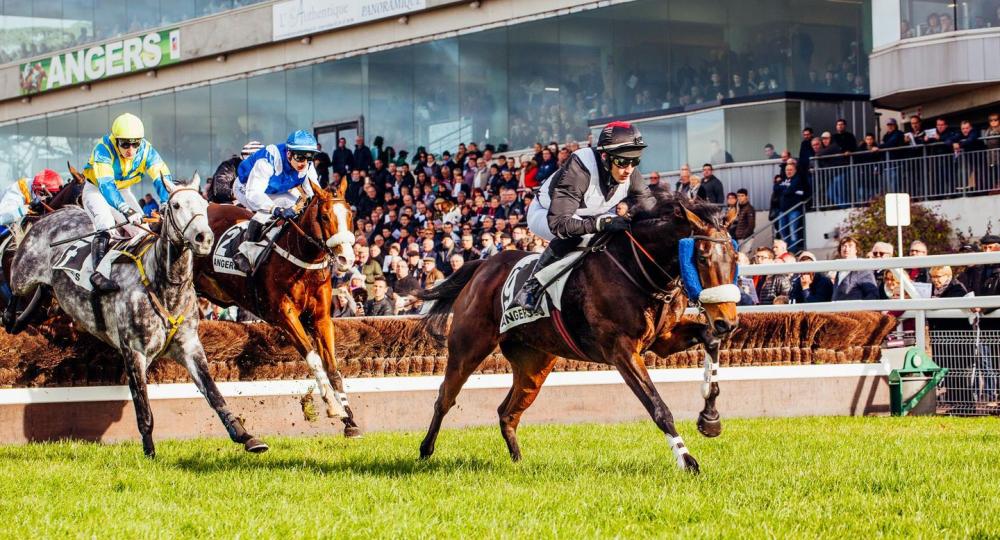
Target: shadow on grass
x=388 y=467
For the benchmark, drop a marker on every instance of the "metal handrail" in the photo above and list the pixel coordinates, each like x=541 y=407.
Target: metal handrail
x=850 y=154
x=839 y=265
x=770 y=224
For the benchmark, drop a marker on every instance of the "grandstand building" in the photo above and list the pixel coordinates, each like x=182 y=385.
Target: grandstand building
x=708 y=81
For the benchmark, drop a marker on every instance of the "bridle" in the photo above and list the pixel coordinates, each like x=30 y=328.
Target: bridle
x=169 y=218
x=324 y=246
x=652 y=289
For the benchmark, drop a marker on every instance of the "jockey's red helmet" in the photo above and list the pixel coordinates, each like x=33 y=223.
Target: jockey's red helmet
x=47 y=182
x=621 y=139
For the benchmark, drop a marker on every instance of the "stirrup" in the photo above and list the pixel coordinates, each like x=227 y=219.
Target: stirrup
x=530 y=295
x=103 y=285
x=242 y=263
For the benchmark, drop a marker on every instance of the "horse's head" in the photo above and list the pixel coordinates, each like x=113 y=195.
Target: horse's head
x=185 y=216
x=716 y=263
x=328 y=219
x=706 y=257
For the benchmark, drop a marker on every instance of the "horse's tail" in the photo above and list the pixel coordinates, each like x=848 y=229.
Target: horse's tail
x=443 y=296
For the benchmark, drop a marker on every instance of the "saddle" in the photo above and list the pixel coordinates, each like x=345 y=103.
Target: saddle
x=76 y=264
x=233 y=241
x=553 y=278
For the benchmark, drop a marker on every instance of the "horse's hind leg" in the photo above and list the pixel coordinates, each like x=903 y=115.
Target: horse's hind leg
x=197 y=366
x=135 y=369
x=633 y=370
x=531 y=367
x=463 y=359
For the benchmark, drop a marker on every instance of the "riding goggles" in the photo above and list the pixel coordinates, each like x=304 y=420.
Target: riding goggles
x=622 y=162
x=303 y=156
x=125 y=144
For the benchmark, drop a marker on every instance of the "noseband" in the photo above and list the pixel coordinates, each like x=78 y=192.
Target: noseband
x=170 y=217
x=652 y=289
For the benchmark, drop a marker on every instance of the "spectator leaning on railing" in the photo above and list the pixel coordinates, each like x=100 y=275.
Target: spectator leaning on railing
x=810 y=287
x=771 y=286
x=853 y=284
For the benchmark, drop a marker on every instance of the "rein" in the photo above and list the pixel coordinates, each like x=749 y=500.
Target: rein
x=172 y=322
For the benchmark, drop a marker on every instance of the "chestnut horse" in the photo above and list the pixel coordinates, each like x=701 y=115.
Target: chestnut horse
x=622 y=300
x=291 y=288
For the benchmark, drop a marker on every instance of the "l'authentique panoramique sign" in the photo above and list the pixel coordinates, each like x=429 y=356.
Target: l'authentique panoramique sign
x=101 y=61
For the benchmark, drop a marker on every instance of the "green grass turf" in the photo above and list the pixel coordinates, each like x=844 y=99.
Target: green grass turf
x=793 y=478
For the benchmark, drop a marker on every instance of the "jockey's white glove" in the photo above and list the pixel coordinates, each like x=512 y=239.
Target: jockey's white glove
x=133 y=217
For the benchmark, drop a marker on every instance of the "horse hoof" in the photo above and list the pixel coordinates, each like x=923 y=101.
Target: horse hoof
x=709 y=427
x=426 y=454
x=691 y=464
x=255 y=446
x=352 y=432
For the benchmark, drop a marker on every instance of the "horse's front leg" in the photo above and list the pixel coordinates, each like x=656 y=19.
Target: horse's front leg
x=192 y=354
x=633 y=370
x=683 y=336
x=289 y=320
x=135 y=369
x=324 y=340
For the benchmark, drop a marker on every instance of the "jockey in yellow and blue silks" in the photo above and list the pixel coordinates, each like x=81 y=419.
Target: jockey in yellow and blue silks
x=270 y=181
x=119 y=160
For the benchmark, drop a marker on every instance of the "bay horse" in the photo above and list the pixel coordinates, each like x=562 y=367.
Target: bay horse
x=291 y=287
x=622 y=300
x=155 y=312
x=68 y=195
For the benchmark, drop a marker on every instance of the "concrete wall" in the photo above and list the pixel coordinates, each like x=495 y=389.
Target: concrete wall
x=966 y=212
x=923 y=70
x=111 y=421
x=244 y=37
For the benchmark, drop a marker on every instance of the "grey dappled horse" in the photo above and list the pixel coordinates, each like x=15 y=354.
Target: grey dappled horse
x=142 y=322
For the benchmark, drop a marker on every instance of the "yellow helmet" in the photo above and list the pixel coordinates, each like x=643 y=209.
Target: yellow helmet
x=127 y=126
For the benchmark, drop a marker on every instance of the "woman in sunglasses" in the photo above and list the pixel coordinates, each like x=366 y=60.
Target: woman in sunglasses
x=118 y=161
x=579 y=199
x=269 y=184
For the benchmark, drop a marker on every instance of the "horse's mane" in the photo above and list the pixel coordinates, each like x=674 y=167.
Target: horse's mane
x=668 y=205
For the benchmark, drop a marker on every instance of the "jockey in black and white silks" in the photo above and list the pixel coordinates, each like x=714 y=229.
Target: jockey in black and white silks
x=579 y=199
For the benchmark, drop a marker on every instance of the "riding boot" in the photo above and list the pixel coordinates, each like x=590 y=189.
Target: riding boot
x=98 y=249
x=530 y=295
x=253 y=234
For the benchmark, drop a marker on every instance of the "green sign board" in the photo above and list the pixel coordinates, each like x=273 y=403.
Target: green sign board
x=101 y=61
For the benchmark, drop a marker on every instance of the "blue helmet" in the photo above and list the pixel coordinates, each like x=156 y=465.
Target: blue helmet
x=301 y=141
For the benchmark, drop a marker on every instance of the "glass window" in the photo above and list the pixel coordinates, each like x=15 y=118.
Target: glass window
x=533 y=86
x=193 y=142
x=177 y=10
x=20 y=8
x=299 y=100
x=110 y=19
x=435 y=95
x=338 y=91
x=749 y=128
x=35 y=148
x=78 y=21
x=705 y=139
x=667 y=137
x=158 y=117
x=93 y=124
x=62 y=142
x=47 y=9
x=229 y=119
x=391 y=106
x=9 y=158
x=641 y=54
x=482 y=78
x=142 y=14
x=266 y=109
x=207 y=7
x=585 y=53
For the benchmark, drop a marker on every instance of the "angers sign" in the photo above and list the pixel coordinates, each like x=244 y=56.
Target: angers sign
x=101 y=61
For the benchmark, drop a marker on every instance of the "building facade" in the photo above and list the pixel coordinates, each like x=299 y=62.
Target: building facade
x=428 y=73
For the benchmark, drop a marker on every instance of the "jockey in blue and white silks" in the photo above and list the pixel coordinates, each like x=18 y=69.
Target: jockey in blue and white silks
x=118 y=161
x=270 y=182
